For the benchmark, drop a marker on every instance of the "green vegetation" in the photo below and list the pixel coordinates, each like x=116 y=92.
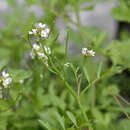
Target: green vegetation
x=52 y=89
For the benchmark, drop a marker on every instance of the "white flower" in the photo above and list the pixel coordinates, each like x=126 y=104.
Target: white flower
x=6 y=82
x=42 y=55
x=47 y=30
x=34 y=31
x=6 y=79
x=84 y=50
x=40 y=52
x=44 y=34
x=87 y=52
x=48 y=50
x=30 y=33
x=32 y=54
x=4 y=74
x=36 y=46
x=40 y=25
x=21 y=81
x=41 y=29
x=67 y=64
x=5 y=85
x=91 y=52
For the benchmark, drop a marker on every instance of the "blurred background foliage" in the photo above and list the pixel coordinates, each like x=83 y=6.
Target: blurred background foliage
x=42 y=102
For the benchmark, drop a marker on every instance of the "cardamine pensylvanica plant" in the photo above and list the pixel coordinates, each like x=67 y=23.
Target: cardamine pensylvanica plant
x=41 y=33
x=36 y=99
x=47 y=57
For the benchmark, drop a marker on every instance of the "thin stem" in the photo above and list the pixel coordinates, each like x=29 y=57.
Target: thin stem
x=109 y=72
x=62 y=78
x=79 y=84
x=124 y=100
x=118 y=102
x=80 y=28
x=77 y=98
x=82 y=109
x=71 y=91
x=87 y=87
x=75 y=74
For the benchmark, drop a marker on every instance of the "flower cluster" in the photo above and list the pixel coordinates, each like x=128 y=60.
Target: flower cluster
x=42 y=52
x=87 y=52
x=41 y=30
x=5 y=79
x=37 y=48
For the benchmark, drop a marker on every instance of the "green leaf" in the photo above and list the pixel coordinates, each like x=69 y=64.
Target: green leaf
x=119 y=53
x=99 y=69
x=72 y=118
x=56 y=101
x=45 y=124
x=60 y=120
x=19 y=74
x=86 y=74
x=121 y=13
x=97 y=115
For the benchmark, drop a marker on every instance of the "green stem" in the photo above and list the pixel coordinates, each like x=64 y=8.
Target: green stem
x=77 y=98
x=80 y=28
x=82 y=109
x=109 y=72
x=71 y=91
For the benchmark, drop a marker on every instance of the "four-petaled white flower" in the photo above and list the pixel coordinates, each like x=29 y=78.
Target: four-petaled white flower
x=91 y=52
x=67 y=64
x=40 y=25
x=48 y=50
x=41 y=52
x=41 y=29
x=84 y=50
x=36 y=47
x=4 y=74
x=87 y=52
x=5 y=79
